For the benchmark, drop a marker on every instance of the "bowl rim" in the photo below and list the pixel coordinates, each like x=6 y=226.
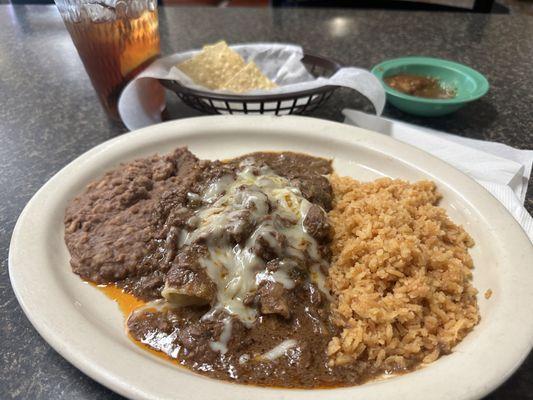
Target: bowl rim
x=482 y=84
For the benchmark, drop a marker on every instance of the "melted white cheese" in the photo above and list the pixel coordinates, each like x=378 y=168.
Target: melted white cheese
x=222 y=344
x=274 y=207
x=157 y=305
x=279 y=350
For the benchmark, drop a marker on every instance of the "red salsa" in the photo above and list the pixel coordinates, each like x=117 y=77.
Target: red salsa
x=420 y=86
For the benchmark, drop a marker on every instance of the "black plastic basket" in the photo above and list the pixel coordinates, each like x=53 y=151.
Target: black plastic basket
x=299 y=102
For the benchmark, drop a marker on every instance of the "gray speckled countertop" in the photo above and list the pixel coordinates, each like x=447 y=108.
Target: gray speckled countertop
x=49 y=115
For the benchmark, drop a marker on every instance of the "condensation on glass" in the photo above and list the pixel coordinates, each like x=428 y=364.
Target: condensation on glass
x=115 y=40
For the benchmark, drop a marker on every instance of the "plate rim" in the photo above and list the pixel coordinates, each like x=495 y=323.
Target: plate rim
x=372 y=140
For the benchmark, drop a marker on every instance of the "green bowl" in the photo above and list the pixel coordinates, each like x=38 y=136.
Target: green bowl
x=468 y=84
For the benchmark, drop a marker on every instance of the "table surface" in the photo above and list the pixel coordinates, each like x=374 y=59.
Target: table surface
x=49 y=115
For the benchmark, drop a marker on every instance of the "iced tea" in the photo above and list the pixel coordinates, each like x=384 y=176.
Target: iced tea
x=115 y=41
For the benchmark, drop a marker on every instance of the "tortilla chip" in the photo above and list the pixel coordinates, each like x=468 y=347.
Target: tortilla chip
x=248 y=78
x=214 y=66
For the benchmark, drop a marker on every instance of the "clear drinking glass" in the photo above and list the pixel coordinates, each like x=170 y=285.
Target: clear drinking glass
x=115 y=39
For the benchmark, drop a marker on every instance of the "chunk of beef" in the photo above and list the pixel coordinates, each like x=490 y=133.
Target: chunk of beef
x=316 y=223
x=315 y=188
x=196 y=337
x=272 y=297
x=240 y=226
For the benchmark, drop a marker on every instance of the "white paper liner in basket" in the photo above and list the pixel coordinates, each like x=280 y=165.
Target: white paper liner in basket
x=279 y=62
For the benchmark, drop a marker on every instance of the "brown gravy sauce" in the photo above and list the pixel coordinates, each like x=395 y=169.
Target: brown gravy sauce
x=127 y=303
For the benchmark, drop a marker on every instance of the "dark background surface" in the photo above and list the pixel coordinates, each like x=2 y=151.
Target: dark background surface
x=49 y=115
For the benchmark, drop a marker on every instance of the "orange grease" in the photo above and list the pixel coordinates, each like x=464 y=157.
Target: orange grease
x=126 y=302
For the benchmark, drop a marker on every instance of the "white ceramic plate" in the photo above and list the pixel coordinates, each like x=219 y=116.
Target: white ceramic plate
x=87 y=328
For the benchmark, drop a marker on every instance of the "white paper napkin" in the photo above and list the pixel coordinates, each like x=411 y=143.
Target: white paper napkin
x=504 y=171
x=140 y=103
